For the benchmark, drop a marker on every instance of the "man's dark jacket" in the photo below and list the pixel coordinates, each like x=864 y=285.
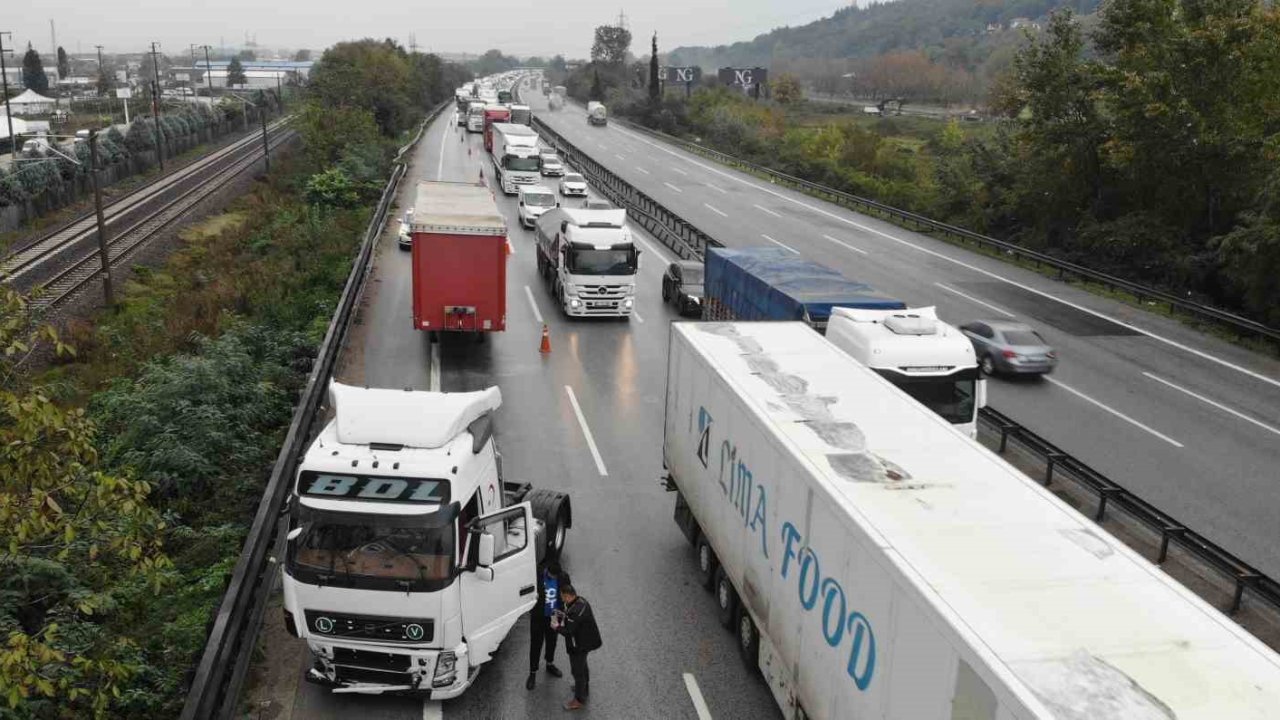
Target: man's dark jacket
x=581 y=634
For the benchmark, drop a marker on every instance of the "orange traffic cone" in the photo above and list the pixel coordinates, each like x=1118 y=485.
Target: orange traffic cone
x=546 y=341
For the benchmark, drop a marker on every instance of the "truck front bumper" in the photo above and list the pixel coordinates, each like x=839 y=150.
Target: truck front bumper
x=385 y=669
x=589 y=307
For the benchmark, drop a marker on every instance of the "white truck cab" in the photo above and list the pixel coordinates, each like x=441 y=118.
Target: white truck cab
x=589 y=261
x=928 y=359
x=515 y=156
x=408 y=558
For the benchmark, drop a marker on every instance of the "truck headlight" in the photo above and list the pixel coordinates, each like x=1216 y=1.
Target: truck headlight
x=575 y=303
x=446 y=669
x=627 y=303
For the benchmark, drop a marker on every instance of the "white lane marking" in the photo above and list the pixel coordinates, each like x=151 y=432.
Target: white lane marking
x=676 y=169
x=719 y=189
x=636 y=315
x=1159 y=338
x=761 y=208
x=783 y=245
x=1216 y=404
x=673 y=187
x=1113 y=411
x=619 y=156
x=433 y=375
x=646 y=172
x=537 y=314
x=440 y=166
x=845 y=245
x=586 y=431
x=971 y=298
x=695 y=694
x=715 y=210
x=432 y=710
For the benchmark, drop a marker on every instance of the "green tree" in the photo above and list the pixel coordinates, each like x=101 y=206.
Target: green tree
x=786 y=89
x=75 y=542
x=246 y=55
x=302 y=55
x=235 y=73
x=611 y=45
x=64 y=64
x=597 y=88
x=104 y=84
x=655 y=86
x=33 y=77
x=371 y=75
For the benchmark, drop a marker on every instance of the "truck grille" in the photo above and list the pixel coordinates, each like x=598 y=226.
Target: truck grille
x=370 y=660
x=370 y=627
x=377 y=677
x=602 y=292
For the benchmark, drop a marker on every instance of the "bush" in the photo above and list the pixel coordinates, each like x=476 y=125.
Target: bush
x=12 y=191
x=333 y=188
x=141 y=136
x=38 y=176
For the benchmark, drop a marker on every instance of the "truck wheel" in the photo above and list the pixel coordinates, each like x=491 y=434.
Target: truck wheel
x=706 y=563
x=726 y=599
x=748 y=640
x=553 y=509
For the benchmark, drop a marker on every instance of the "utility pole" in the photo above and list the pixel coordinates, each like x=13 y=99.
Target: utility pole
x=102 y=226
x=4 y=80
x=266 y=149
x=155 y=105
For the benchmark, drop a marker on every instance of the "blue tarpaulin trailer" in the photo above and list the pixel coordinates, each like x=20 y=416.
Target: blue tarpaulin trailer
x=773 y=284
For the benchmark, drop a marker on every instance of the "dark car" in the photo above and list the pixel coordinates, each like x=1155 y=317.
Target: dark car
x=1003 y=346
x=682 y=286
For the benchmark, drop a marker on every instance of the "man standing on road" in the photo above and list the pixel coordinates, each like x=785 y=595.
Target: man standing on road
x=581 y=636
x=549 y=580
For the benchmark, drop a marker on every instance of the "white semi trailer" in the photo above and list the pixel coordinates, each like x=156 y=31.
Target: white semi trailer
x=874 y=562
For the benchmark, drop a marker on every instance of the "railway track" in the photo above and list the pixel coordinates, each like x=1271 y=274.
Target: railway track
x=146 y=218
x=24 y=265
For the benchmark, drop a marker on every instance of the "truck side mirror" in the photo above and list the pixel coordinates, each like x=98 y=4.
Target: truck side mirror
x=293 y=534
x=484 y=558
x=982 y=393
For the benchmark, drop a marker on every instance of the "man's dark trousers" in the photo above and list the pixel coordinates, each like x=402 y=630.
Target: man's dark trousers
x=540 y=632
x=581 y=675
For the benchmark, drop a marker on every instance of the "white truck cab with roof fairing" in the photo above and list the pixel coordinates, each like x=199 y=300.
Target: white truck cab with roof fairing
x=408 y=558
x=589 y=261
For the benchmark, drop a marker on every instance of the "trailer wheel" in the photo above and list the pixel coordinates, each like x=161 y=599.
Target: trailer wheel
x=706 y=563
x=726 y=599
x=553 y=509
x=748 y=640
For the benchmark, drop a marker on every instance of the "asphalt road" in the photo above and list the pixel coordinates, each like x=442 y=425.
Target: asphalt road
x=586 y=419
x=1189 y=422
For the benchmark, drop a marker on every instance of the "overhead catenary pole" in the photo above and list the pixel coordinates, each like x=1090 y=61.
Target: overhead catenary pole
x=155 y=105
x=102 y=226
x=4 y=81
x=266 y=149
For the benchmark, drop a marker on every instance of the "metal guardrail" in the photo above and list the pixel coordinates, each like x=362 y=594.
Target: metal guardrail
x=1109 y=493
x=228 y=652
x=1241 y=325
x=690 y=242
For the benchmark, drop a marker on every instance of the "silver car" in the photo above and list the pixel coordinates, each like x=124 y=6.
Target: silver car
x=552 y=166
x=573 y=184
x=1010 y=347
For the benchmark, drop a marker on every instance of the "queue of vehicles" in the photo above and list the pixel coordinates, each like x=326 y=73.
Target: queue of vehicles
x=870 y=557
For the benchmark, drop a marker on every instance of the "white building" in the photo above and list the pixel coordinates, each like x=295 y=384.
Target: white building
x=31 y=103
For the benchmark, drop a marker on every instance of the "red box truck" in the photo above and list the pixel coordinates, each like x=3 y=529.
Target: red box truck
x=459 y=259
x=494 y=114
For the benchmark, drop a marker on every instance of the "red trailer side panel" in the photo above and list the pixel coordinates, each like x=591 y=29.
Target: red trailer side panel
x=459 y=259
x=493 y=114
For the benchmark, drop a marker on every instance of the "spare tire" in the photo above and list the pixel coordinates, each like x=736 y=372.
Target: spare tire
x=553 y=509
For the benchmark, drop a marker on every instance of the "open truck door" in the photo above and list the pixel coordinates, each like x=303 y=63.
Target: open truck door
x=500 y=581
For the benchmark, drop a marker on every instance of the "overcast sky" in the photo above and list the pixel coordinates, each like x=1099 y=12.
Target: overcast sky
x=522 y=27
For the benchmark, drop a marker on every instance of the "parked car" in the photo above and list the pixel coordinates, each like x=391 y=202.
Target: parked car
x=573 y=184
x=597 y=204
x=551 y=165
x=405 y=234
x=682 y=286
x=1016 y=348
x=534 y=201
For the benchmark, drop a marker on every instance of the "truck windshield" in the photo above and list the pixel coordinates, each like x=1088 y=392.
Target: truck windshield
x=602 y=262
x=372 y=551
x=951 y=396
x=524 y=164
